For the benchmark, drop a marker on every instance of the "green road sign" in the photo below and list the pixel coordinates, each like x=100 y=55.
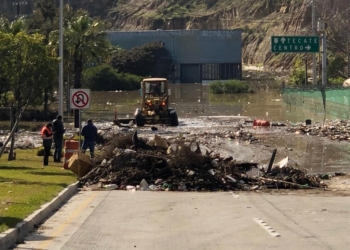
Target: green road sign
x=295 y=44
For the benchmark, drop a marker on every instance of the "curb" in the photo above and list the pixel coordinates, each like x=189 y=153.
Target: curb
x=11 y=236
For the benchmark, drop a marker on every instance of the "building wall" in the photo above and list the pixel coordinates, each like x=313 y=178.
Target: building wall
x=198 y=54
x=188 y=46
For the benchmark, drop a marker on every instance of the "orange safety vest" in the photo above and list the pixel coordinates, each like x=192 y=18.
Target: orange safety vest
x=43 y=135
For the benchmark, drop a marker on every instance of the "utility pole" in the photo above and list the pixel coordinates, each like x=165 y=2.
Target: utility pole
x=306 y=78
x=322 y=29
x=324 y=60
x=314 y=62
x=60 y=76
x=347 y=51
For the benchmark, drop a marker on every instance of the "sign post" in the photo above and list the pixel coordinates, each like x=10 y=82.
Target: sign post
x=80 y=99
x=295 y=44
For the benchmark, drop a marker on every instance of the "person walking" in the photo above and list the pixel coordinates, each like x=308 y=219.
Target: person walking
x=46 y=135
x=58 y=131
x=89 y=132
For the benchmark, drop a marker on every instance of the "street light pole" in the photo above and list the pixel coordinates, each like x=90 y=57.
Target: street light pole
x=60 y=77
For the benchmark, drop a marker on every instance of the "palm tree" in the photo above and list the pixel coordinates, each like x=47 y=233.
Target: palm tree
x=11 y=27
x=84 y=39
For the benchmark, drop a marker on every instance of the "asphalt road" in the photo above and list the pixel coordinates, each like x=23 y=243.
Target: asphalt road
x=195 y=221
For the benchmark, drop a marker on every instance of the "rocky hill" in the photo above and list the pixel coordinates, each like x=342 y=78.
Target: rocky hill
x=259 y=19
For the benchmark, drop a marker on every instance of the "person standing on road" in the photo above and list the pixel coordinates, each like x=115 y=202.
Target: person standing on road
x=58 y=131
x=89 y=132
x=46 y=135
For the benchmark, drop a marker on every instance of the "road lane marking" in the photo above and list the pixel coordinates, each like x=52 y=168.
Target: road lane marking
x=269 y=229
x=61 y=228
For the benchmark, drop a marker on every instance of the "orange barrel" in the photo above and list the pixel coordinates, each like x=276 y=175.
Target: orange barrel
x=69 y=147
x=262 y=123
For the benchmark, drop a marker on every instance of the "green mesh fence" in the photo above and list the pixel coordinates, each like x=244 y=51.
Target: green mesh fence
x=332 y=101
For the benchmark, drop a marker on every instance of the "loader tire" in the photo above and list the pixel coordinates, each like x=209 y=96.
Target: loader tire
x=174 y=121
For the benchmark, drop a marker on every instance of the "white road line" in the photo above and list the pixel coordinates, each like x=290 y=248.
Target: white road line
x=269 y=229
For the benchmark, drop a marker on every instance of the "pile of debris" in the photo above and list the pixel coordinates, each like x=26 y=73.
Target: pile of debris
x=128 y=162
x=334 y=130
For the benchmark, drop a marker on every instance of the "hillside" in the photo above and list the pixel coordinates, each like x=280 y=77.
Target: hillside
x=259 y=19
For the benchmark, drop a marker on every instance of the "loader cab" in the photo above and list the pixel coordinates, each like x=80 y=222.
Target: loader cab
x=154 y=86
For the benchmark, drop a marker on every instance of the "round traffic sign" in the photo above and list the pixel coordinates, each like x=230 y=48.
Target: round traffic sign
x=80 y=99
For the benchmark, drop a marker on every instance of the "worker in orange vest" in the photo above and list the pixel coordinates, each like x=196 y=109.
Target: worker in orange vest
x=46 y=135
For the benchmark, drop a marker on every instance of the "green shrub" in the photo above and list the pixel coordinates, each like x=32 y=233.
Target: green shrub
x=216 y=87
x=104 y=77
x=336 y=81
x=297 y=77
x=229 y=87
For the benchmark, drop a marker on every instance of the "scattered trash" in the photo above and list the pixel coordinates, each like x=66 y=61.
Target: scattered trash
x=131 y=188
x=144 y=185
x=80 y=164
x=335 y=130
x=262 y=123
x=111 y=186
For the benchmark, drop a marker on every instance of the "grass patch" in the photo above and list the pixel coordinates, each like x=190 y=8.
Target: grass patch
x=229 y=87
x=25 y=185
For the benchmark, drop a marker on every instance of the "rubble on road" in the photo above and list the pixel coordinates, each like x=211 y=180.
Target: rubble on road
x=180 y=164
x=334 y=130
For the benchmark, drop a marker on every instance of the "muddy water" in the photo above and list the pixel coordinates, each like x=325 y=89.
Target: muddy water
x=193 y=100
x=318 y=155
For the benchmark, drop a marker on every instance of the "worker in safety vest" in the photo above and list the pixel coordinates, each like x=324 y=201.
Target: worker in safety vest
x=46 y=134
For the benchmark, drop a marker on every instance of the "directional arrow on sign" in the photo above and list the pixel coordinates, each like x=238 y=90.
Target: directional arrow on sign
x=308 y=47
x=283 y=40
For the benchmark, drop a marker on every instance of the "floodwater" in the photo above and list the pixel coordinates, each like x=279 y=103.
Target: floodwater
x=194 y=101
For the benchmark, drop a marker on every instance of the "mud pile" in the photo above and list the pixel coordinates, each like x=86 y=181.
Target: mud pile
x=179 y=164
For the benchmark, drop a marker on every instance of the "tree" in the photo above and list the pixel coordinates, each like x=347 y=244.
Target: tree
x=28 y=69
x=336 y=12
x=11 y=27
x=336 y=67
x=85 y=38
x=104 y=77
x=151 y=59
x=44 y=19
